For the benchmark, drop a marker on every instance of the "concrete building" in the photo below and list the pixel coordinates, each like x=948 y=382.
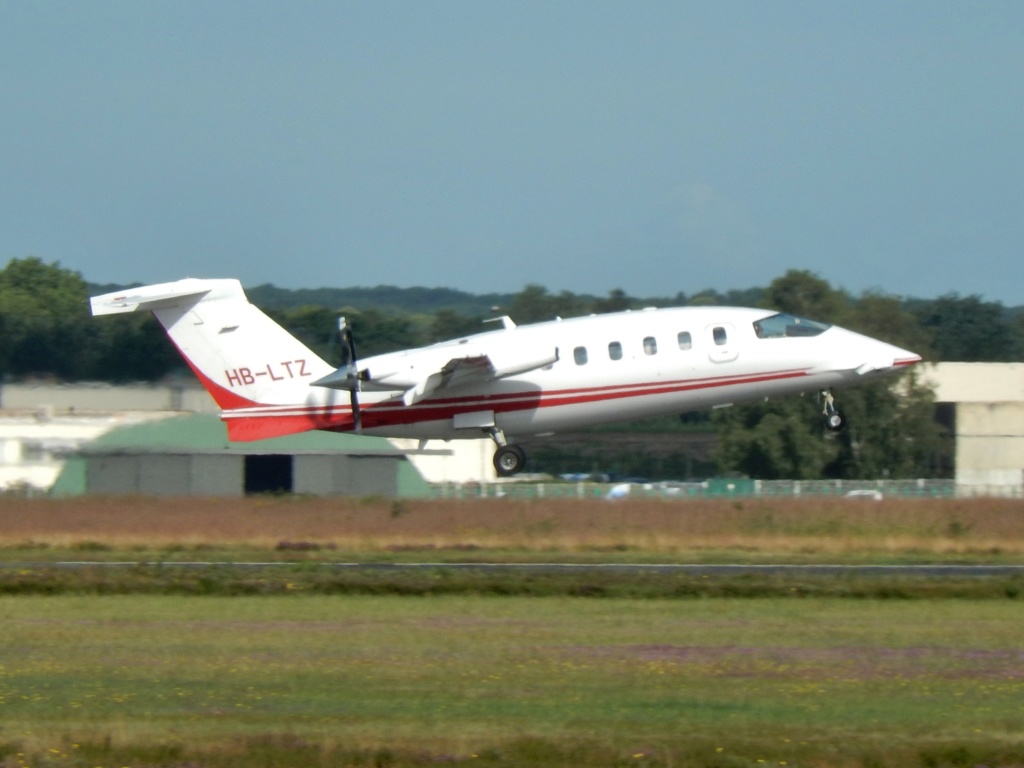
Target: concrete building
x=983 y=404
x=69 y=399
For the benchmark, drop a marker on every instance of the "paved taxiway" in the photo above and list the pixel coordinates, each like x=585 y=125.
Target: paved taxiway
x=697 y=570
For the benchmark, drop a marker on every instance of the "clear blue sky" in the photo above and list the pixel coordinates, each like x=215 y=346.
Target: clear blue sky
x=654 y=147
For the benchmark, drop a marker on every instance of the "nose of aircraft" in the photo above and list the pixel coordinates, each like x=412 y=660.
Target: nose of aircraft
x=894 y=359
x=867 y=356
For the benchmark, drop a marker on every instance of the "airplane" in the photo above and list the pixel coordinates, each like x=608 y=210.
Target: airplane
x=510 y=382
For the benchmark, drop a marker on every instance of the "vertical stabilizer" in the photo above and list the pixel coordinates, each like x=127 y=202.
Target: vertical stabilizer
x=240 y=355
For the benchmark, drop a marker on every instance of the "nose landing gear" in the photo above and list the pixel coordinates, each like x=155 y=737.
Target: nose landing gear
x=834 y=420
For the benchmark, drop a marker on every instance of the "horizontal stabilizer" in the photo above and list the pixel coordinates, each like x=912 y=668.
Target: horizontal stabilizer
x=148 y=297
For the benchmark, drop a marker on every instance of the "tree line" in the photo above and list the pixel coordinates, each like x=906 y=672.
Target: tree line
x=46 y=332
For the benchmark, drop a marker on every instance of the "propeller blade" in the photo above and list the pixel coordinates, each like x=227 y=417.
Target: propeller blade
x=347 y=342
x=357 y=418
x=351 y=362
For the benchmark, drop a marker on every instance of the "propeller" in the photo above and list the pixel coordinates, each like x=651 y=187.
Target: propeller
x=347 y=376
x=350 y=365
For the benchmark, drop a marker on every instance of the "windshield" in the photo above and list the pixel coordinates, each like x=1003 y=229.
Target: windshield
x=783 y=325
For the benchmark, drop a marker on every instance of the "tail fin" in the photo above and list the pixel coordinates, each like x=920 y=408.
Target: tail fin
x=242 y=357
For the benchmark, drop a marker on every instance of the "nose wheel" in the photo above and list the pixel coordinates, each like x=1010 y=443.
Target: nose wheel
x=834 y=420
x=509 y=459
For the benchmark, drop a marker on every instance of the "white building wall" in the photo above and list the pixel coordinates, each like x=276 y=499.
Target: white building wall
x=62 y=398
x=975 y=382
x=34 y=446
x=990 y=444
x=453 y=461
x=989 y=399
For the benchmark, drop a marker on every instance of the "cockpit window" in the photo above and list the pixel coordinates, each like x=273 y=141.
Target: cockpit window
x=783 y=325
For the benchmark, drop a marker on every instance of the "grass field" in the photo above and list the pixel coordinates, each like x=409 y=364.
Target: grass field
x=287 y=673
x=830 y=681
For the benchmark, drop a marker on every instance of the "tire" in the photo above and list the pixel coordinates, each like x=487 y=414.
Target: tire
x=509 y=460
x=834 y=421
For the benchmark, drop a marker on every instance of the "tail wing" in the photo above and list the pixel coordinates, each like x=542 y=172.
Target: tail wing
x=243 y=358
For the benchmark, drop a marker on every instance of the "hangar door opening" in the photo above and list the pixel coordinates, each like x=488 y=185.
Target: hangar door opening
x=269 y=473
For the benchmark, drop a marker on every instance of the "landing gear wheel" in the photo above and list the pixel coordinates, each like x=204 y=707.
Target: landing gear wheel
x=834 y=421
x=509 y=460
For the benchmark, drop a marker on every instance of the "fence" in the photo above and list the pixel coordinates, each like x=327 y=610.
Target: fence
x=724 y=488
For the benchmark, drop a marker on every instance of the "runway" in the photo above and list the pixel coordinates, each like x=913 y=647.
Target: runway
x=724 y=569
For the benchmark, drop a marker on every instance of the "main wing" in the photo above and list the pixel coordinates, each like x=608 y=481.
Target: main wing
x=428 y=371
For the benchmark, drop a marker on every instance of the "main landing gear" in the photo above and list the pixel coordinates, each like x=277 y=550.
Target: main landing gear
x=834 y=420
x=509 y=459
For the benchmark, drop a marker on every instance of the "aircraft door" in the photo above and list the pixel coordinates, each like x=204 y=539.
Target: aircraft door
x=722 y=343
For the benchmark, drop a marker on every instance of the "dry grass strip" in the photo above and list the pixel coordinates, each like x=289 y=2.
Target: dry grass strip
x=825 y=526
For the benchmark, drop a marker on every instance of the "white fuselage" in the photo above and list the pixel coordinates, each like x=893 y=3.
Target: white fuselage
x=614 y=367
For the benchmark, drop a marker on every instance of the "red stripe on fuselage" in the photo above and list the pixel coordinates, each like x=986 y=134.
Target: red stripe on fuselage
x=258 y=422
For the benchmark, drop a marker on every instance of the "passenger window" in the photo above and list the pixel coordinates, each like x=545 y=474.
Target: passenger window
x=685 y=340
x=650 y=346
x=580 y=355
x=719 y=335
x=615 y=350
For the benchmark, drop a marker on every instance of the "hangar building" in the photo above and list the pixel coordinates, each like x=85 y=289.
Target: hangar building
x=189 y=454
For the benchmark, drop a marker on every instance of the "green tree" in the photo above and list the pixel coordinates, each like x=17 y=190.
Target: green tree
x=968 y=329
x=130 y=348
x=780 y=439
x=617 y=301
x=886 y=318
x=314 y=326
x=534 y=304
x=1018 y=335
x=377 y=332
x=891 y=432
x=449 y=324
x=804 y=294
x=44 y=320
